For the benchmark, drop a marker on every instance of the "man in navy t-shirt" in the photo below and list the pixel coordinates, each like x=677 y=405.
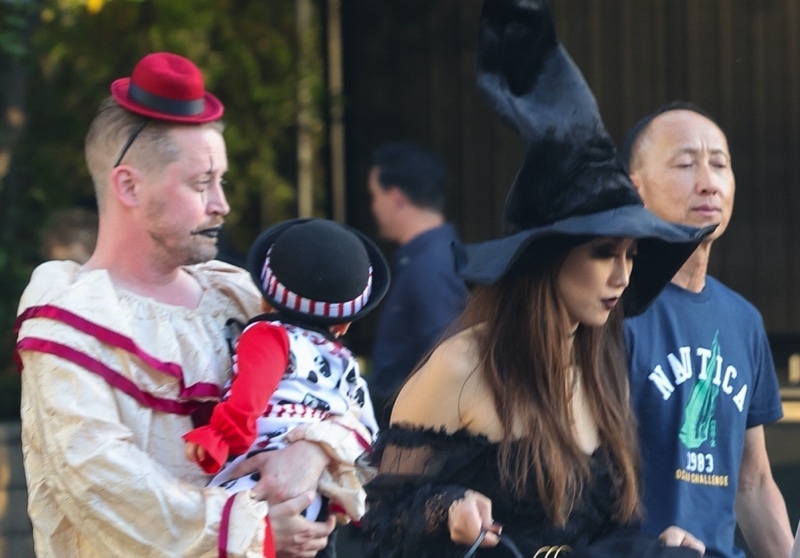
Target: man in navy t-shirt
x=407 y=186
x=703 y=382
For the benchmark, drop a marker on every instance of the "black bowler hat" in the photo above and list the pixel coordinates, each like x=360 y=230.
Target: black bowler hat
x=318 y=271
x=572 y=182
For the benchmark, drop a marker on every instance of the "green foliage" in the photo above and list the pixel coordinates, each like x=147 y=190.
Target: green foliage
x=247 y=50
x=15 y=17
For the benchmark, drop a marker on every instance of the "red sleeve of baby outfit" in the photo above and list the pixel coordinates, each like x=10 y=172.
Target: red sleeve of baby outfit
x=261 y=355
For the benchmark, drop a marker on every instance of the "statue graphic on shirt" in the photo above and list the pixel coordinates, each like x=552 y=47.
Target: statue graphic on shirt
x=699 y=412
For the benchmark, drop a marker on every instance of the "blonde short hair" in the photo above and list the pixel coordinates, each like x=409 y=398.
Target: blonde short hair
x=113 y=125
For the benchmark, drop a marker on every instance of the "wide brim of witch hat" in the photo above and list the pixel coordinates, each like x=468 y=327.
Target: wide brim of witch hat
x=166 y=86
x=662 y=249
x=306 y=297
x=572 y=181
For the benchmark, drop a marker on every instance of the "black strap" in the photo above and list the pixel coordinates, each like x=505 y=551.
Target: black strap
x=165 y=105
x=233 y=329
x=476 y=544
x=134 y=133
x=505 y=540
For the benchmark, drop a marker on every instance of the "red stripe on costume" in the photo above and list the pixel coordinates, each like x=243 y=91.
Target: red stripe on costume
x=224 y=527
x=335 y=507
x=224 y=523
x=116 y=340
x=363 y=442
x=111 y=376
x=269 y=540
x=359 y=438
x=200 y=390
x=99 y=332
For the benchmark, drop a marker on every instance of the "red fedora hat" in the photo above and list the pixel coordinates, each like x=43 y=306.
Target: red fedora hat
x=166 y=86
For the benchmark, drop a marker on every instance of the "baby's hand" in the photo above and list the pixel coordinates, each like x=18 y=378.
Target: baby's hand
x=194 y=452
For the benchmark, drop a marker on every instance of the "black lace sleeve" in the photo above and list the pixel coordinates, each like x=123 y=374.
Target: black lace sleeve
x=408 y=501
x=421 y=472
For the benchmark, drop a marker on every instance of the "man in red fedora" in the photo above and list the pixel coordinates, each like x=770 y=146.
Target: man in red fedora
x=121 y=355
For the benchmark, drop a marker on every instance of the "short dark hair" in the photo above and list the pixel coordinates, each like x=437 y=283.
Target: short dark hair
x=419 y=173
x=630 y=145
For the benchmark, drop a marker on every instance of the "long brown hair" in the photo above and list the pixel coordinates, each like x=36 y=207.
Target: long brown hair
x=521 y=333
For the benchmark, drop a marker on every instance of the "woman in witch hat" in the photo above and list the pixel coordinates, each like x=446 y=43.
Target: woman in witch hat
x=518 y=427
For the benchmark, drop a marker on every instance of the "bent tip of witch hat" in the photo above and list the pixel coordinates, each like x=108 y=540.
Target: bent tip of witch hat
x=318 y=271
x=166 y=86
x=572 y=182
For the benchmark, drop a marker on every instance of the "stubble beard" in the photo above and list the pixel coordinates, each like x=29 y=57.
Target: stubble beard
x=202 y=254
x=193 y=250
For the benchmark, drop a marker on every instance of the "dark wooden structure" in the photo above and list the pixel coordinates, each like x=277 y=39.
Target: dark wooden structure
x=409 y=74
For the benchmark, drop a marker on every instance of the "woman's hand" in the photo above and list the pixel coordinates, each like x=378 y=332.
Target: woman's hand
x=468 y=516
x=675 y=536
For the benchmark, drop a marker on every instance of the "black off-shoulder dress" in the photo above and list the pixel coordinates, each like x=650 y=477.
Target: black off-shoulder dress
x=423 y=471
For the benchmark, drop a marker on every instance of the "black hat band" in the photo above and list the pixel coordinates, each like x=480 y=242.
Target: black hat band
x=173 y=107
x=278 y=292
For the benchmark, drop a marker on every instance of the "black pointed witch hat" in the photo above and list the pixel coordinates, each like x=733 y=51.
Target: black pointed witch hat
x=572 y=182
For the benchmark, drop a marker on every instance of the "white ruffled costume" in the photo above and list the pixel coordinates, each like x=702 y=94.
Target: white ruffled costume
x=108 y=381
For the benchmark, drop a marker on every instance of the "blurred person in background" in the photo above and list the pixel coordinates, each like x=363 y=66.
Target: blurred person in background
x=69 y=234
x=407 y=187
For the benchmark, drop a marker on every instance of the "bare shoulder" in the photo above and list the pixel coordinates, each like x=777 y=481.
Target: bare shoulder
x=457 y=357
x=431 y=396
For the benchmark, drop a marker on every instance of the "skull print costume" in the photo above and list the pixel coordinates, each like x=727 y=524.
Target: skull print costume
x=305 y=376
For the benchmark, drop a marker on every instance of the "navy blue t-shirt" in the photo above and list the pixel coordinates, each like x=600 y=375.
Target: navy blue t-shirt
x=701 y=374
x=425 y=296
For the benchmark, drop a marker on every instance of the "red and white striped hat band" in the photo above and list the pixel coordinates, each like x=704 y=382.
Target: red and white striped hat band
x=283 y=296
